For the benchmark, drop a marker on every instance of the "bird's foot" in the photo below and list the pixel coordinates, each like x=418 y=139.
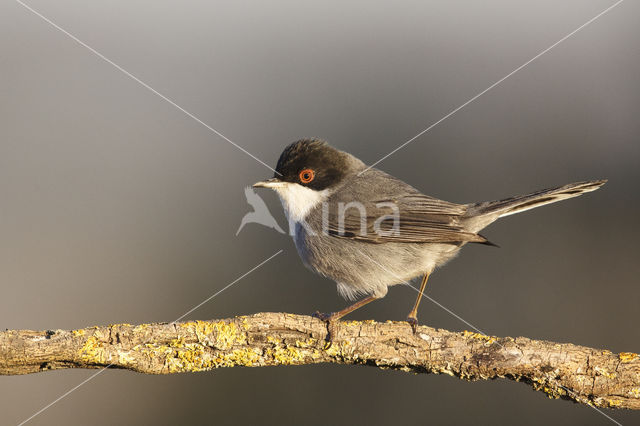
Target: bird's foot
x=413 y=322
x=322 y=316
x=331 y=321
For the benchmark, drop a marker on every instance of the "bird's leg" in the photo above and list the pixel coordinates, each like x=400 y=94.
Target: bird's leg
x=333 y=317
x=412 y=318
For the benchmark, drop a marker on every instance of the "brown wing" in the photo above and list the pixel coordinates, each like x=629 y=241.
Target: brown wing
x=400 y=214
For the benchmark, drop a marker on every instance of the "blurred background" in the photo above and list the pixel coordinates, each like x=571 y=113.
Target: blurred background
x=117 y=207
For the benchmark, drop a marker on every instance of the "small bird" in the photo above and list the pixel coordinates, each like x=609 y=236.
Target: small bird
x=260 y=213
x=367 y=230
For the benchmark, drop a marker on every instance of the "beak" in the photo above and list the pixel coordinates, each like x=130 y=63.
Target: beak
x=269 y=183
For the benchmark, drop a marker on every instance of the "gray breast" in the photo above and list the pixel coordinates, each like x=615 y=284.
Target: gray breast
x=361 y=268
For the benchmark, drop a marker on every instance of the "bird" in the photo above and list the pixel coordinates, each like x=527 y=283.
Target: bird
x=260 y=213
x=367 y=230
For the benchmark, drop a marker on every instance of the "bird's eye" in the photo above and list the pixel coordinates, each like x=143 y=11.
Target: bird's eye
x=306 y=176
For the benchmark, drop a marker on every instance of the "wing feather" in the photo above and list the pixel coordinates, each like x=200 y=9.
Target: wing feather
x=402 y=213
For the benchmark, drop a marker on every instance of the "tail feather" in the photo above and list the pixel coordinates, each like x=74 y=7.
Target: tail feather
x=482 y=214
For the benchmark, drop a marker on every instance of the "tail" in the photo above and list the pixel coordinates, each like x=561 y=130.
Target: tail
x=482 y=214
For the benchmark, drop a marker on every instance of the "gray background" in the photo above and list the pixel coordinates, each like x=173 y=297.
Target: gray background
x=116 y=207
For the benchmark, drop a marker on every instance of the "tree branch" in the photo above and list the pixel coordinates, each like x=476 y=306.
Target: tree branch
x=585 y=375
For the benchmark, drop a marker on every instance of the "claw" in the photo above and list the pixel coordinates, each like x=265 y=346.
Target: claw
x=327 y=343
x=329 y=320
x=322 y=316
x=413 y=322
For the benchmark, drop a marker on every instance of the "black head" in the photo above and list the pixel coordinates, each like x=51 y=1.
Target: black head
x=315 y=164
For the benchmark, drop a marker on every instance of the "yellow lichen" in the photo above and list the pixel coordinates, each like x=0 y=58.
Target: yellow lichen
x=604 y=372
x=177 y=343
x=153 y=349
x=543 y=385
x=93 y=352
x=79 y=332
x=551 y=392
x=627 y=356
x=442 y=369
x=240 y=357
x=287 y=355
x=310 y=342
x=125 y=359
x=635 y=392
x=245 y=323
x=338 y=350
x=193 y=357
x=226 y=334
x=179 y=356
x=275 y=340
x=488 y=339
x=215 y=348
x=188 y=359
x=612 y=403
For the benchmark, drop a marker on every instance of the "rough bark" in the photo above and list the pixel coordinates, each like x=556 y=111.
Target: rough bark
x=585 y=375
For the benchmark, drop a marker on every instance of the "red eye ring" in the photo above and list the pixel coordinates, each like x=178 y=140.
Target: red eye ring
x=306 y=176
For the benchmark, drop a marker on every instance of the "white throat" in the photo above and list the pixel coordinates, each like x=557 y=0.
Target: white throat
x=298 y=200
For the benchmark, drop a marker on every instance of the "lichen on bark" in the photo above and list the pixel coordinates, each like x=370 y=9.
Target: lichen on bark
x=586 y=375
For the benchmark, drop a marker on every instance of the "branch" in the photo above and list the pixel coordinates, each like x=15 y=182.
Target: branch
x=585 y=375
